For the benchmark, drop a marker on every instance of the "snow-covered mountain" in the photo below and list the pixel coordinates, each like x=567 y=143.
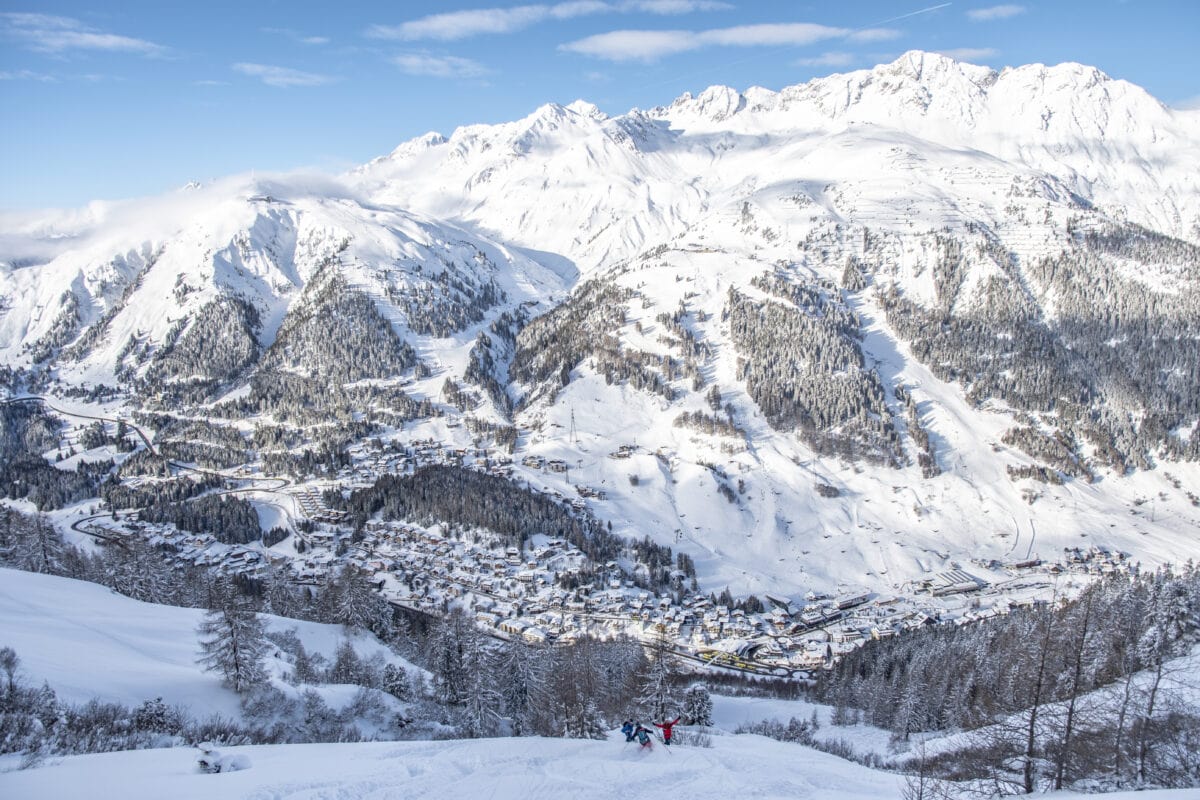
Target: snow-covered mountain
x=850 y=332
x=624 y=182
x=195 y=288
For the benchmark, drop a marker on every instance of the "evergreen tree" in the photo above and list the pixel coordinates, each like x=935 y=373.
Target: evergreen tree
x=34 y=545
x=396 y=683
x=521 y=685
x=353 y=602
x=152 y=715
x=697 y=705
x=138 y=570
x=10 y=662
x=656 y=700
x=303 y=670
x=582 y=720
x=1172 y=630
x=278 y=596
x=577 y=692
x=447 y=657
x=482 y=701
x=346 y=667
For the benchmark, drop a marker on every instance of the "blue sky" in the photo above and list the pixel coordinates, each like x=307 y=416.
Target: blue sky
x=124 y=99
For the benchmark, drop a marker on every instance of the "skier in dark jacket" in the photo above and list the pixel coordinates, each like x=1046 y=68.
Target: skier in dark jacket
x=643 y=737
x=627 y=729
x=666 y=729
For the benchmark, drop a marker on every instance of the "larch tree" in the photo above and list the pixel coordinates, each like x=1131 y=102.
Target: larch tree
x=232 y=642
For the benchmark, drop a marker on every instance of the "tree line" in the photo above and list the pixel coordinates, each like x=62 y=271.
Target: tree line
x=1061 y=691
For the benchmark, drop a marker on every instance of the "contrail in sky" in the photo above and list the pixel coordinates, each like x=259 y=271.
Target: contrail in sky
x=909 y=14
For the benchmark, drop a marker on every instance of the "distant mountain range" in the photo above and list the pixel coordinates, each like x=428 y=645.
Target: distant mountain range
x=846 y=333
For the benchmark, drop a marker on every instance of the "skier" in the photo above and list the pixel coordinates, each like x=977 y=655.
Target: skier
x=666 y=729
x=643 y=737
x=627 y=729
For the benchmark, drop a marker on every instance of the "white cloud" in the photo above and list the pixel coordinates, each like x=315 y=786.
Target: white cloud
x=831 y=59
x=439 y=66
x=46 y=33
x=297 y=37
x=670 y=7
x=27 y=75
x=633 y=45
x=455 y=25
x=283 y=77
x=969 y=53
x=874 y=35
x=994 y=12
x=770 y=34
x=462 y=24
x=650 y=46
x=1188 y=104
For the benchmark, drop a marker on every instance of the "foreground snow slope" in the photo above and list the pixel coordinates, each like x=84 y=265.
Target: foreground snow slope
x=88 y=642
x=735 y=766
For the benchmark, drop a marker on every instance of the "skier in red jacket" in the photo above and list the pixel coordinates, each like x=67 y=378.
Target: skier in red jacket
x=666 y=729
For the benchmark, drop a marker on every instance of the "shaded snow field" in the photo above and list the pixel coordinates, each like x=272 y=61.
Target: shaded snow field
x=89 y=642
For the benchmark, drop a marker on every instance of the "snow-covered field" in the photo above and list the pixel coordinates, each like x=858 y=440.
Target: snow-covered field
x=735 y=767
x=480 y=769
x=89 y=642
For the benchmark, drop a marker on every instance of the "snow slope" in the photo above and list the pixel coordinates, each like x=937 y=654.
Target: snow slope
x=501 y=769
x=89 y=642
x=743 y=766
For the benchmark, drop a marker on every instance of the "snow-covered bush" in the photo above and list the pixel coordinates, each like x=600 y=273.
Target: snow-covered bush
x=212 y=760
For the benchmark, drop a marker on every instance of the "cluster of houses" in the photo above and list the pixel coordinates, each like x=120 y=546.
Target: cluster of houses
x=515 y=593
x=371 y=461
x=1094 y=560
x=537 y=594
x=203 y=550
x=548 y=591
x=311 y=505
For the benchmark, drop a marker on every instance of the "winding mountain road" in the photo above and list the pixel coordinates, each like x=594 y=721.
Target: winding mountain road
x=82 y=525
